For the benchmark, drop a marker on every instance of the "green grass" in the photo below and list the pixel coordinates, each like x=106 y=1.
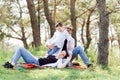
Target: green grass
x=101 y=73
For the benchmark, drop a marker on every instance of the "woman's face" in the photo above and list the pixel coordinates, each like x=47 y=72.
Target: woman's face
x=62 y=54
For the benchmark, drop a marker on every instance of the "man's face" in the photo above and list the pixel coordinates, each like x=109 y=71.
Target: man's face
x=69 y=30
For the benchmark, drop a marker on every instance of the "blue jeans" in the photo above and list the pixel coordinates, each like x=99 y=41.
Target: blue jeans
x=79 y=50
x=53 y=51
x=26 y=55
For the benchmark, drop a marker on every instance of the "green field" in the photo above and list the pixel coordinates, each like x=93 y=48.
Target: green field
x=101 y=73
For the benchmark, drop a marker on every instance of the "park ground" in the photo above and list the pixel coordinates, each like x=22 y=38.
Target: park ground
x=100 y=73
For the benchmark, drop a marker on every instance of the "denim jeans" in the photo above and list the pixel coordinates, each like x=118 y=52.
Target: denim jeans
x=79 y=50
x=53 y=51
x=26 y=55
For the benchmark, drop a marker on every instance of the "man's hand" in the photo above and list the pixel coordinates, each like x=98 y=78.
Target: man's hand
x=69 y=46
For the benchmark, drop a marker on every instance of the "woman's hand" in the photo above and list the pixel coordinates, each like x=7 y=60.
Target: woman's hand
x=68 y=58
x=63 y=65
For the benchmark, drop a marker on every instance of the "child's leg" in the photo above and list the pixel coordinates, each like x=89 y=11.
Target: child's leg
x=49 y=50
x=54 y=51
x=26 y=55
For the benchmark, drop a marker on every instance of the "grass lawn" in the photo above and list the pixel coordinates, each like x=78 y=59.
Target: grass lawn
x=111 y=73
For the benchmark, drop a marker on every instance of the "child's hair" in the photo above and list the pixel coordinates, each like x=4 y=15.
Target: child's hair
x=59 y=24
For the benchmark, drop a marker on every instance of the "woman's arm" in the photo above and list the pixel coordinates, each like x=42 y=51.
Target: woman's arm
x=63 y=65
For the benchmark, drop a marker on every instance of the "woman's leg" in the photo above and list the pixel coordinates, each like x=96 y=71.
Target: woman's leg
x=26 y=55
x=79 y=50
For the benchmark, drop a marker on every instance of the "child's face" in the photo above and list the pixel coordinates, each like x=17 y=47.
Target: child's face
x=59 y=28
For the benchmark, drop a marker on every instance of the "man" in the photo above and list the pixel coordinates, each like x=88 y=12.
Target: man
x=78 y=50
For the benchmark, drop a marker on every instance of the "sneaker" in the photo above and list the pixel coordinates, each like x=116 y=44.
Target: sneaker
x=90 y=66
x=75 y=64
x=8 y=65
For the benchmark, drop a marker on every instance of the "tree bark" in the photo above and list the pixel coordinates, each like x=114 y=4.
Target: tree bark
x=49 y=17
x=34 y=23
x=119 y=40
x=39 y=20
x=54 y=15
x=88 y=33
x=103 y=24
x=82 y=38
x=73 y=19
x=24 y=39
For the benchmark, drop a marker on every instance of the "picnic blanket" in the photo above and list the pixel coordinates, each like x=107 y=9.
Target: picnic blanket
x=24 y=66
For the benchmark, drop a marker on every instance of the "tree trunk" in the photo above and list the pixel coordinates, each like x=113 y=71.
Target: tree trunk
x=54 y=15
x=103 y=24
x=88 y=34
x=34 y=23
x=39 y=20
x=24 y=39
x=73 y=19
x=49 y=17
x=82 y=38
x=119 y=40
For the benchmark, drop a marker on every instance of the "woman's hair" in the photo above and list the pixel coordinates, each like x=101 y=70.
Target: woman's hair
x=59 y=24
x=65 y=48
x=66 y=54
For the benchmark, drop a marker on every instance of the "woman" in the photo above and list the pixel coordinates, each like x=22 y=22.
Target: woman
x=53 y=61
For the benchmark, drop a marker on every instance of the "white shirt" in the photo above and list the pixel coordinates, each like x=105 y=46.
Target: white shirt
x=59 y=38
x=72 y=44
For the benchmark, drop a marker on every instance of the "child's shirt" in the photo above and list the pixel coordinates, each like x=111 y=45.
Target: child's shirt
x=59 y=38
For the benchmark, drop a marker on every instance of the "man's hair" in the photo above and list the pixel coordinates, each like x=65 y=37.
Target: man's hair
x=69 y=26
x=59 y=24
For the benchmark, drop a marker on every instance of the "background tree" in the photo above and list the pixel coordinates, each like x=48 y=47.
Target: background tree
x=73 y=19
x=49 y=17
x=34 y=23
x=88 y=33
x=12 y=21
x=38 y=18
x=103 y=24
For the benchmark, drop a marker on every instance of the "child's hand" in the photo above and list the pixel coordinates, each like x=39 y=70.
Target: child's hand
x=52 y=46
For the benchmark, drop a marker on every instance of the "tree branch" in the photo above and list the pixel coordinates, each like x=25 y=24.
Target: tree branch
x=92 y=8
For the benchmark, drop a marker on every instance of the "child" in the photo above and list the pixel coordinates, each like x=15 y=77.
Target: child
x=57 y=40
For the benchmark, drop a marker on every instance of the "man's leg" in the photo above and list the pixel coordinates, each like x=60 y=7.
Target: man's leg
x=79 y=50
x=26 y=55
